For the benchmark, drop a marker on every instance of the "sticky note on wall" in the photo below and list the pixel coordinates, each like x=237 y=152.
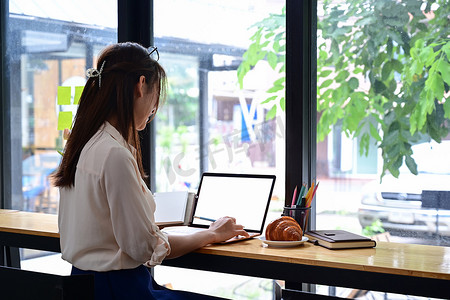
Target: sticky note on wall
x=64 y=120
x=78 y=92
x=64 y=95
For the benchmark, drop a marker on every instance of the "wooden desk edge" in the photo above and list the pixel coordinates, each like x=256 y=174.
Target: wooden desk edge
x=30 y=232
x=230 y=251
x=337 y=265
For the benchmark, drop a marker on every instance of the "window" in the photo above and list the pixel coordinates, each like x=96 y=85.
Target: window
x=49 y=46
x=376 y=62
x=209 y=123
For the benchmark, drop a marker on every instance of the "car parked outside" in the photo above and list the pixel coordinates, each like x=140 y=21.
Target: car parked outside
x=413 y=205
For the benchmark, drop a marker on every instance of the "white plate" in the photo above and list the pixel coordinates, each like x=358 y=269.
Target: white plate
x=283 y=244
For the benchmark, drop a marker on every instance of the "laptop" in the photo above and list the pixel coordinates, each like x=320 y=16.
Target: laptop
x=246 y=197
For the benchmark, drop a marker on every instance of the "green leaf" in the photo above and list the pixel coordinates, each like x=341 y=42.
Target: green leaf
x=326 y=83
x=342 y=76
x=389 y=47
x=353 y=83
x=446 y=49
x=397 y=65
x=323 y=55
x=283 y=103
x=386 y=70
x=379 y=87
x=272 y=59
x=275 y=89
x=436 y=85
x=444 y=68
x=280 y=81
x=391 y=138
x=241 y=72
x=380 y=59
x=269 y=35
x=394 y=171
x=392 y=85
x=269 y=99
x=411 y=164
x=325 y=73
x=425 y=53
x=418 y=67
x=276 y=46
x=365 y=21
x=271 y=113
x=419 y=44
x=374 y=133
x=326 y=94
x=395 y=36
x=447 y=109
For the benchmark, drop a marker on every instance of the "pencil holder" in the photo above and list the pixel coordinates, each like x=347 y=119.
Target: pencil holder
x=300 y=214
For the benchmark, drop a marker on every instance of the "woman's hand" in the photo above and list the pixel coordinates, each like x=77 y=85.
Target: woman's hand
x=221 y=230
x=226 y=228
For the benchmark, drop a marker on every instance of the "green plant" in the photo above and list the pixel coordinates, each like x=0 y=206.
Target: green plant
x=375 y=228
x=383 y=72
x=268 y=42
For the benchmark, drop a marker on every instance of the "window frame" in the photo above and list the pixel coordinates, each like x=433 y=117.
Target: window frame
x=301 y=116
x=5 y=145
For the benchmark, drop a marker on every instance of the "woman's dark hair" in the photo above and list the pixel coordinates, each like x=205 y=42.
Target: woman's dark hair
x=124 y=63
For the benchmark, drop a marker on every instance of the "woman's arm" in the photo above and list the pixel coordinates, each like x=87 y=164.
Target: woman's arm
x=221 y=230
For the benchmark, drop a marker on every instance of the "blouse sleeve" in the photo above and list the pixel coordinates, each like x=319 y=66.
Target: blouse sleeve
x=132 y=214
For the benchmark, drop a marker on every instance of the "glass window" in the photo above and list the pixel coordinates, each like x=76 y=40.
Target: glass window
x=383 y=119
x=382 y=101
x=50 y=45
x=209 y=122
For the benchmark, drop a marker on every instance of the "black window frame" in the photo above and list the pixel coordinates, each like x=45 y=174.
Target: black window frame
x=5 y=146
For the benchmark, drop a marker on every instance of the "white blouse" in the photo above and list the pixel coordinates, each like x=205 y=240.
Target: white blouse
x=106 y=220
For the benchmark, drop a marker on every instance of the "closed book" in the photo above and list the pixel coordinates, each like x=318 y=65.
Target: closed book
x=171 y=208
x=339 y=239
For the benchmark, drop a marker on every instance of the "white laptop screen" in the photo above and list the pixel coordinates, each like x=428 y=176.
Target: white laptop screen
x=242 y=196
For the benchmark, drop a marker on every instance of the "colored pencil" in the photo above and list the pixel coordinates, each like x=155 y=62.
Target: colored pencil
x=310 y=191
x=300 y=194
x=294 y=197
x=312 y=196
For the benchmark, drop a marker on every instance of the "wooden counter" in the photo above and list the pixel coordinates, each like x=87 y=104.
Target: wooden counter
x=409 y=269
x=390 y=258
x=29 y=223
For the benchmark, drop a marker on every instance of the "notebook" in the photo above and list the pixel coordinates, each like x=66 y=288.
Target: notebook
x=173 y=208
x=245 y=197
x=170 y=208
x=339 y=239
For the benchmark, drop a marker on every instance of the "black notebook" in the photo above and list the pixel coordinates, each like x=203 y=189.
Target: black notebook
x=339 y=239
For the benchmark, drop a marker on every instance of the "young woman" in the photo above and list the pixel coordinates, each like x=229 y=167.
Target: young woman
x=106 y=211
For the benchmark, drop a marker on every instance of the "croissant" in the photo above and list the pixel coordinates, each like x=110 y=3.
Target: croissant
x=284 y=229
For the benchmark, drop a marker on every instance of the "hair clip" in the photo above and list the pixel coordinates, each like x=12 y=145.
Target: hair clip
x=153 y=52
x=93 y=72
